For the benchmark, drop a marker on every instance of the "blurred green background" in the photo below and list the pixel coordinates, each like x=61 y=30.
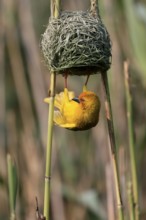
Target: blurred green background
x=82 y=183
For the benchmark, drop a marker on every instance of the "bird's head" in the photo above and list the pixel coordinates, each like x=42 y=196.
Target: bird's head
x=89 y=100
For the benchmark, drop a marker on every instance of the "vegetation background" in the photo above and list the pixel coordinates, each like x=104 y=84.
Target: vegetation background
x=82 y=184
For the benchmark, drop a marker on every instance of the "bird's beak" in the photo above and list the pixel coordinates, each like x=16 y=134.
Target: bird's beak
x=76 y=99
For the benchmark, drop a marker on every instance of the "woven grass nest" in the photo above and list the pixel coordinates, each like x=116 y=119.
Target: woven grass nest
x=77 y=43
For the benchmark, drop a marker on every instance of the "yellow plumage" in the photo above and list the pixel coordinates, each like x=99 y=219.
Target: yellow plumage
x=80 y=113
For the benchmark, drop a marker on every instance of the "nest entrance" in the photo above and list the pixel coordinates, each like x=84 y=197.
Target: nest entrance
x=77 y=43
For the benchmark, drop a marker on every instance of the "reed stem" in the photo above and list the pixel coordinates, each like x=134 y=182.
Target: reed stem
x=12 y=185
x=55 y=11
x=49 y=148
x=57 y=8
x=131 y=141
x=130 y=201
x=113 y=148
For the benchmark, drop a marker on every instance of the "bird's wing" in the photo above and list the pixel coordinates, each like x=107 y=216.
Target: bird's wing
x=61 y=98
x=58 y=118
x=60 y=121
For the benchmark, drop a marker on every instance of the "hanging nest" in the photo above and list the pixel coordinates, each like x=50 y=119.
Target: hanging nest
x=76 y=43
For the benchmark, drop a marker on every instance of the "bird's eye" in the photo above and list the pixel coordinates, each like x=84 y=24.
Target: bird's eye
x=82 y=100
x=76 y=99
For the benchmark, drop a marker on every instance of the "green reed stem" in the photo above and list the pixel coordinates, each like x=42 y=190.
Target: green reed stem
x=55 y=10
x=130 y=201
x=49 y=148
x=131 y=141
x=12 y=186
x=113 y=148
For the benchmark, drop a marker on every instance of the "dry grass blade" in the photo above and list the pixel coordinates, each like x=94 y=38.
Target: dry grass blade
x=113 y=147
x=17 y=69
x=33 y=63
x=110 y=194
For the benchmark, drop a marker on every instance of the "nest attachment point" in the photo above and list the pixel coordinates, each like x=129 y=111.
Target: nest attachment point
x=76 y=43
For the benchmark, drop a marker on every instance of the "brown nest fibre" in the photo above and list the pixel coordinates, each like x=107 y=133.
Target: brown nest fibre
x=76 y=43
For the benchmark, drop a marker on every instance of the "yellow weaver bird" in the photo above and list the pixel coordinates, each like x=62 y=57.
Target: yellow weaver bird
x=77 y=114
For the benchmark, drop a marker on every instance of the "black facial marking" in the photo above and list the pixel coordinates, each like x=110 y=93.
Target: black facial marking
x=76 y=99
